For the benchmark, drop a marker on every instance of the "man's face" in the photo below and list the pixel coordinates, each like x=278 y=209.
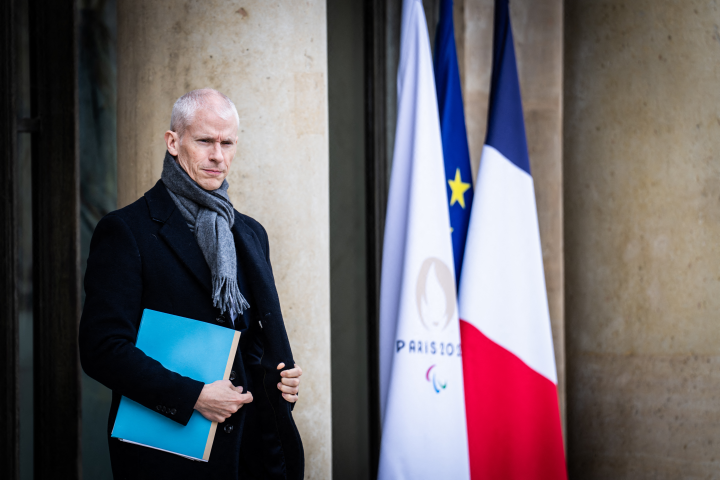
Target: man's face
x=207 y=148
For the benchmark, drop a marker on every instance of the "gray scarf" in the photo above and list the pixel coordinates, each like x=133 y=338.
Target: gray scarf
x=210 y=216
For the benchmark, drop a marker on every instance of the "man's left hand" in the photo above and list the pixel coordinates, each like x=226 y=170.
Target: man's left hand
x=290 y=382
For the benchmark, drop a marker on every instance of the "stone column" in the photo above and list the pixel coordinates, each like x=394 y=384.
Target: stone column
x=271 y=59
x=538 y=32
x=642 y=190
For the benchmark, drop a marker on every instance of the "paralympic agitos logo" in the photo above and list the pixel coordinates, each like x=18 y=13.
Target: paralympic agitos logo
x=432 y=377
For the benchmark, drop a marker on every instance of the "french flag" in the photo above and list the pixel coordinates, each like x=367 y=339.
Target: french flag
x=510 y=381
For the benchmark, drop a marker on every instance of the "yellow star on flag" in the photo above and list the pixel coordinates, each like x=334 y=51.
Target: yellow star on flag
x=458 y=188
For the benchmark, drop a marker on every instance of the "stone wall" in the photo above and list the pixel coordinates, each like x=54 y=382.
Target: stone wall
x=642 y=222
x=271 y=59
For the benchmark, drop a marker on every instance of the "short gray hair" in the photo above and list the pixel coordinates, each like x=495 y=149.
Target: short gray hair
x=185 y=107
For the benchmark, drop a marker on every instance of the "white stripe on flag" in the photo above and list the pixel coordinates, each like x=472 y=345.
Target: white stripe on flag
x=502 y=289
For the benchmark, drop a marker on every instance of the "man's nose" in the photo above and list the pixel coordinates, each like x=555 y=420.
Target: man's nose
x=216 y=153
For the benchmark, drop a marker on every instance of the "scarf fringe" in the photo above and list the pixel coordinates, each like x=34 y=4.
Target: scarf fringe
x=227 y=295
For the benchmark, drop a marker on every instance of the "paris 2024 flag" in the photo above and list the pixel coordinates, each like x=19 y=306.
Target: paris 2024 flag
x=511 y=395
x=424 y=433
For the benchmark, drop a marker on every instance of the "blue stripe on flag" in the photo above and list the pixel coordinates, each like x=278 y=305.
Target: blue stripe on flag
x=506 y=128
x=454 y=135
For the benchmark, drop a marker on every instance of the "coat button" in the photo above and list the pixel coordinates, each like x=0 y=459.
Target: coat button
x=232 y=375
x=220 y=319
x=173 y=411
x=228 y=428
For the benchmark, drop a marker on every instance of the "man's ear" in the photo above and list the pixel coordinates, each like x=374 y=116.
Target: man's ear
x=172 y=141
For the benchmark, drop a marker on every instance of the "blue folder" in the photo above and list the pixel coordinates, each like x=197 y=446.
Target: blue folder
x=198 y=350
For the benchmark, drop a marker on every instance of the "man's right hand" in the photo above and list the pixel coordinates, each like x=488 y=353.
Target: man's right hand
x=219 y=400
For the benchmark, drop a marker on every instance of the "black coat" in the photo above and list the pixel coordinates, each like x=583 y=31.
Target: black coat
x=145 y=256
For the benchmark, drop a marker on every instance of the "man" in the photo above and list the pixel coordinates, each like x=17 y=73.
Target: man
x=182 y=249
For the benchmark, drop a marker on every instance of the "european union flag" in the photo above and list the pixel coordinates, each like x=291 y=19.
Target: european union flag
x=454 y=135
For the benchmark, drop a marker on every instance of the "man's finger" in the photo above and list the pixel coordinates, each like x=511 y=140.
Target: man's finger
x=290 y=382
x=290 y=398
x=287 y=389
x=292 y=373
x=280 y=366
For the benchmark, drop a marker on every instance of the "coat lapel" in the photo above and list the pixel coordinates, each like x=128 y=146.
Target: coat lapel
x=264 y=293
x=251 y=257
x=266 y=306
x=177 y=234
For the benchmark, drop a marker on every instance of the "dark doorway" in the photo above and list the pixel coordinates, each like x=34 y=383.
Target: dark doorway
x=57 y=98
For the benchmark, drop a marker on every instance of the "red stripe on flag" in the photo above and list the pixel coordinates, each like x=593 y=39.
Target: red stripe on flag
x=513 y=419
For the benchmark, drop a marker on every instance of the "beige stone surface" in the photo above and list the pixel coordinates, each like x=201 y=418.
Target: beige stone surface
x=475 y=56
x=649 y=417
x=538 y=33
x=271 y=59
x=642 y=196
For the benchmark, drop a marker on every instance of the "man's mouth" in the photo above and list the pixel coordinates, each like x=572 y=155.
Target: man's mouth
x=212 y=172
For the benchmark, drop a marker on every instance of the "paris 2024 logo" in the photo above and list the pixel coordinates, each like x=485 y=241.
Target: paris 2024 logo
x=436 y=302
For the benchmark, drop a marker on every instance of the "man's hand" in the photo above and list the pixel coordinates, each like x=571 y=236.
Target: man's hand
x=219 y=400
x=290 y=383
